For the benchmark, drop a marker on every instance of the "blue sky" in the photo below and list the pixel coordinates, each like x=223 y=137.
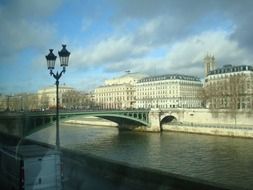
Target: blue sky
x=108 y=37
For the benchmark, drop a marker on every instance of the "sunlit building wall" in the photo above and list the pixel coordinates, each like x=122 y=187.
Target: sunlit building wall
x=220 y=79
x=19 y=102
x=118 y=93
x=47 y=96
x=168 y=91
x=3 y=102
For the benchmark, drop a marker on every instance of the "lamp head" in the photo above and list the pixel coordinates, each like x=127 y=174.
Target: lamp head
x=51 y=60
x=64 y=56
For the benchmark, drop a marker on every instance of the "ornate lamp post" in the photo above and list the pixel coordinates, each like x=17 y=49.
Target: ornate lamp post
x=64 y=59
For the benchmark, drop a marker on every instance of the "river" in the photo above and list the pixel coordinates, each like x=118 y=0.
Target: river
x=224 y=160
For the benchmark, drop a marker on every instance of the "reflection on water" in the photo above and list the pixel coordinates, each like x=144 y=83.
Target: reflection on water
x=219 y=159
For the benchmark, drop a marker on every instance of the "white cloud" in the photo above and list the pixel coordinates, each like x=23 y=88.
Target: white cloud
x=120 y=52
x=186 y=56
x=22 y=26
x=108 y=51
x=126 y=38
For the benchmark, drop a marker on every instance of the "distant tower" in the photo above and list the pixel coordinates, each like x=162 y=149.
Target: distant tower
x=209 y=62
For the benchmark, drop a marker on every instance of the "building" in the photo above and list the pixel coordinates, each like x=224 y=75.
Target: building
x=209 y=62
x=229 y=87
x=73 y=99
x=46 y=99
x=168 y=91
x=47 y=96
x=3 y=102
x=19 y=102
x=118 y=93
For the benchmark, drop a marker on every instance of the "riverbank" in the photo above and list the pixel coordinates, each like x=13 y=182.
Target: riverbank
x=245 y=131
x=242 y=131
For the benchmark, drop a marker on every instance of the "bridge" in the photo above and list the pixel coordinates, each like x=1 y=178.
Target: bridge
x=24 y=123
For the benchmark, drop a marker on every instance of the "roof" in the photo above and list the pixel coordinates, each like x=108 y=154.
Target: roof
x=230 y=69
x=130 y=78
x=169 y=77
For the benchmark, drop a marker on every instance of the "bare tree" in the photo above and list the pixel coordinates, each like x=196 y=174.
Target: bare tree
x=31 y=102
x=44 y=102
x=228 y=93
x=236 y=93
x=77 y=100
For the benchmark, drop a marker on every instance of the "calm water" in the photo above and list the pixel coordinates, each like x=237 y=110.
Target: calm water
x=218 y=159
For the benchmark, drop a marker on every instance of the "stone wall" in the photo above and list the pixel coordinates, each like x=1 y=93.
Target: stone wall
x=204 y=121
x=154 y=120
x=12 y=127
x=211 y=130
x=204 y=116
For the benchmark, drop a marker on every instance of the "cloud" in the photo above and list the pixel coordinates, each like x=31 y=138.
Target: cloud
x=121 y=35
x=29 y=8
x=182 y=16
x=22 y=26
x=186 y=56
x=108 y=51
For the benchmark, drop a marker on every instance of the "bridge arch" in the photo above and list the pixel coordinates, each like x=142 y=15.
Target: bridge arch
x=168 y=119
x=117 y=118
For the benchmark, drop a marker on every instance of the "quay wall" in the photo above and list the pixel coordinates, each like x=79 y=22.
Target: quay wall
x=211 y=130
x=86 y=171
x=222 y=117
x=204 y=121
x=13 y=127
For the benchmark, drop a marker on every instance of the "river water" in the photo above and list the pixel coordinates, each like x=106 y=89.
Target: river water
x=224 y=160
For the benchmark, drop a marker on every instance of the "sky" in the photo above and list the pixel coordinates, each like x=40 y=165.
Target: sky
x=106 y=38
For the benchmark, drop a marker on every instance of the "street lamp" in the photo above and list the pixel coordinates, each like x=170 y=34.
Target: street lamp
x=64 y=58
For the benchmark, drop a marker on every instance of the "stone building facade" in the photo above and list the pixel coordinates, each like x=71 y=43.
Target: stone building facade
x=19 y=102
x=74 y=99
x=118 y=93
x=229 y=87
x=168 y=91
x=47 y=96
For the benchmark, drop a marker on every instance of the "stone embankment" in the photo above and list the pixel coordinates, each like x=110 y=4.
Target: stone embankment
x=231 y=130
x=245 y=131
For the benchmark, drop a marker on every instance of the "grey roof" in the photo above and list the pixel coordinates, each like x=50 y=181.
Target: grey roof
x=169 y=77
x=230 y=69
